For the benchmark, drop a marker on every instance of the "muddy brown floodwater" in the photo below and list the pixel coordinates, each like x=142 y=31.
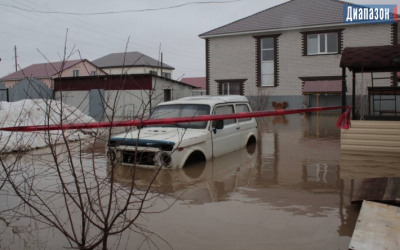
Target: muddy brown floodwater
x=285 y=192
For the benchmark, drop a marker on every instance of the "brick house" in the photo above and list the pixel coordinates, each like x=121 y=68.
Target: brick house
x=277 y=51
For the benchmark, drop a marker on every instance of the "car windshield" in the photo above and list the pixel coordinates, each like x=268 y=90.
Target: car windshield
x=181 y=110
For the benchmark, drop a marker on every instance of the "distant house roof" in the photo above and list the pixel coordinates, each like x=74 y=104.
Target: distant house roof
x=295 y=13
x=42 y=70
x=333 y=86
x=197 y=82
x=373 y=58
x=128 y=59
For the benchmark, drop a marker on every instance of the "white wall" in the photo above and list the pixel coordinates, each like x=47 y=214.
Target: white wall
x=124 y=99
x=135 y=70
x=178 y=90
x=79 y=99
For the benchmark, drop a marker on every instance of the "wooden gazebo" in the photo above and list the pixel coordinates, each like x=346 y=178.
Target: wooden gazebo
x=371 y=60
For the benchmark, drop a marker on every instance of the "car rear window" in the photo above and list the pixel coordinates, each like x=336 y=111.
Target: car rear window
x=223 y=110
x=243 y=108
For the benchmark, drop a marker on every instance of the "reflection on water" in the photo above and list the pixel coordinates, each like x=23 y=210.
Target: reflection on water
x=285 y=192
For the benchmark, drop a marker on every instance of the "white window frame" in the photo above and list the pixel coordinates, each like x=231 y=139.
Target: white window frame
x=166 y=75
x=75 y=72
x=227 y=86
x=319 y=45
x=93 y=73
x=269 y=61
x=223 y=88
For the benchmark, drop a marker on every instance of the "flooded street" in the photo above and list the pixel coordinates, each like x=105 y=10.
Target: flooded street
x=285 y=192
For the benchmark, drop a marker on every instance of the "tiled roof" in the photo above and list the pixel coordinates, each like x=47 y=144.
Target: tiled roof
x=197 y=82
x=128 y=59
x=41 y=70
x=322 y=86
x=374 y=57
x=295 y=13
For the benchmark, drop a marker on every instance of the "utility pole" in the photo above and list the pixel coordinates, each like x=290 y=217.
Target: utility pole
x=161 y=62
x=15 y=50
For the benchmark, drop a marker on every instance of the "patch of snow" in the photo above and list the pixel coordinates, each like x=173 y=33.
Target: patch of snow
x=38 y=112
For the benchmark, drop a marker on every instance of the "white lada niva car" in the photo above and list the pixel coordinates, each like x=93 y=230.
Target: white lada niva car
x=174 y=145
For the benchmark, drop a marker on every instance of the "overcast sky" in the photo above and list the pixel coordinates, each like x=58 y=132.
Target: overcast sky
x=95 y=36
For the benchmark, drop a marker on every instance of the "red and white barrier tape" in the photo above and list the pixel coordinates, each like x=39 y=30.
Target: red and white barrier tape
x=343 y=122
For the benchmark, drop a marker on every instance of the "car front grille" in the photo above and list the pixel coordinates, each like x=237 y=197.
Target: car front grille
x=143 y=158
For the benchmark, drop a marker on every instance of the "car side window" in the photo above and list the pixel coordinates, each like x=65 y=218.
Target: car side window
x=243 y=108
x=223 y=110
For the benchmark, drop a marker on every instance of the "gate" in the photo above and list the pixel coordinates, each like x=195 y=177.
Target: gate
x=3 y=93
x=30 y=89
x=96 y=104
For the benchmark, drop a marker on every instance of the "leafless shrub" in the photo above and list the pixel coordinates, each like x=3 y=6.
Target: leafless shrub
x=70 y=188
x=259 y=99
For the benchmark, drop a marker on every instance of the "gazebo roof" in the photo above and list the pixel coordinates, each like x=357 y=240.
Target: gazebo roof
x=372 y=59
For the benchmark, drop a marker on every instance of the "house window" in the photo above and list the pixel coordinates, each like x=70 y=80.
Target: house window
x=167 y=95
x=231 y=87
x=75 y=73
x=152 y=72
x=166 y=75
x=326 y=43
x=93 y=73
x=267 y=61
x=322 y=42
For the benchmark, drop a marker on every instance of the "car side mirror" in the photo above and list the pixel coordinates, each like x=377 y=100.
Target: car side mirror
x=219 y=124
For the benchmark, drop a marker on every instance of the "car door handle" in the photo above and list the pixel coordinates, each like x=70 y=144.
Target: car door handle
x=237 y=128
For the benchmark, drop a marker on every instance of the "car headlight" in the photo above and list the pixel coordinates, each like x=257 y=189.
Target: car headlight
x=165 y=159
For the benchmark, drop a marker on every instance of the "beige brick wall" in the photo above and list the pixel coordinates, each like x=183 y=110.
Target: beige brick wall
x=234 y=57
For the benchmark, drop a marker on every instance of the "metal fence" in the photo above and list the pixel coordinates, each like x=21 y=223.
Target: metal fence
x=3 y=93
x=29 y=89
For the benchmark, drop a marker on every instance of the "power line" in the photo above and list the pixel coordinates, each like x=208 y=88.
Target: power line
x=84 y=51
x=63 y=38
x=103 y=34
x=51 y=35
x=192 y=69
x=113 y=31
x=57 y=19
x=121 y=11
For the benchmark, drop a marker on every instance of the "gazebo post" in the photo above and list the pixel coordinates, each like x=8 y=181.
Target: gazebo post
x=354 y=94
x=343 y=88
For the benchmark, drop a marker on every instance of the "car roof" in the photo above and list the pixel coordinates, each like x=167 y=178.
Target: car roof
x=211 y=100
